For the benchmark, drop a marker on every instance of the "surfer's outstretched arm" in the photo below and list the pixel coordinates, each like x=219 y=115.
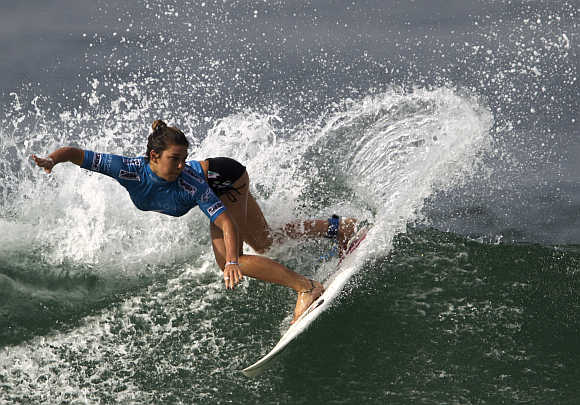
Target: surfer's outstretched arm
x=61 y=155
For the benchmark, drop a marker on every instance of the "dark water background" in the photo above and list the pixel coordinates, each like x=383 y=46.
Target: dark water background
x=451 y=126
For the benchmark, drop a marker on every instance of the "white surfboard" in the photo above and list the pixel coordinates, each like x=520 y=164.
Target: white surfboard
x=332 y=286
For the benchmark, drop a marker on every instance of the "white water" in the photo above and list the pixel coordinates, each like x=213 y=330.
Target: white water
x=386 y=152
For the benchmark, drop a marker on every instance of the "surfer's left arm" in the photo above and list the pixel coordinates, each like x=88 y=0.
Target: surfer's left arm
x=232 y=271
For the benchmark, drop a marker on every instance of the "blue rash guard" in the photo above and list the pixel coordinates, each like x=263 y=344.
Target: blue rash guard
x=150 y=192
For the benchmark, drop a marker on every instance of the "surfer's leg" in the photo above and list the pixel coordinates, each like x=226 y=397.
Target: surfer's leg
x=236 y=202
x=246 y=213
x=260 y=267
x=249 y=225
x=314 y=228
x=254 y=230
x=265 y=269
x=257 y=232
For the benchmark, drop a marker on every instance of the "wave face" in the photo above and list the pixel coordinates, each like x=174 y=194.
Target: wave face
x=450 y=129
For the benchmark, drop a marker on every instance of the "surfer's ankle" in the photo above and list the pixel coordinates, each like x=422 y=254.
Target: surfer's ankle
x=346 y=231
x=306 y=297
x=333 y=227
x=341 y=228
x=309 y=289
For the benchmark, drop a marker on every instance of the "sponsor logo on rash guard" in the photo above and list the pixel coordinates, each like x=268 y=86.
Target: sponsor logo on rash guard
x=215 y=208
x=207 y=196
x=124 y=174
x=107 y=160
x=190 y=172
x=188 y=187
x=132 y=161
x=96 y=162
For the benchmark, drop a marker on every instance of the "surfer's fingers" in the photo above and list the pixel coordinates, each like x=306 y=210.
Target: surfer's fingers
x=46 y=164
x=236 y=275
x=239 y=275
x=39 y=161
x=227 y=278
x=232 y=275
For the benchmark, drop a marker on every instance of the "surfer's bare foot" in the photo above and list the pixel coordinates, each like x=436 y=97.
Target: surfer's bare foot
x=306 y=298
x=346 y=230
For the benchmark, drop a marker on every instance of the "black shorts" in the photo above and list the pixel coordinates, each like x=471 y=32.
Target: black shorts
x=222 y=173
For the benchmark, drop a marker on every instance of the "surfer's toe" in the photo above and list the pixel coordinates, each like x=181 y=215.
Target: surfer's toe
x=306 y=298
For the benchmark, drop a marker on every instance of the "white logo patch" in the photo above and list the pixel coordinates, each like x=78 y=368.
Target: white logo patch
x=215 y=208
x=123 y=174
x=96 y=162
x=132 y=161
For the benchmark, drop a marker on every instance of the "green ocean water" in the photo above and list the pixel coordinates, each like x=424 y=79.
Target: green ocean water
x=451 y=126
x=442 y=319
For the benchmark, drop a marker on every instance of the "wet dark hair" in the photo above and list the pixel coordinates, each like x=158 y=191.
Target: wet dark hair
x=163 y=136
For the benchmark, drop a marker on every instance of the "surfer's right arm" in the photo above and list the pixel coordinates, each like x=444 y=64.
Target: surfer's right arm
x=61 y=155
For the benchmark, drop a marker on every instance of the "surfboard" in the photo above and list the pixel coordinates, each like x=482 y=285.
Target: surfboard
x=332 y=287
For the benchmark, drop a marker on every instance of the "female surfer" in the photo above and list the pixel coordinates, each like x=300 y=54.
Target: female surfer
x=163 y=181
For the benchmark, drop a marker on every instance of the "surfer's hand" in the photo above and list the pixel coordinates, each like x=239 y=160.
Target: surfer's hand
x=46 y=163
x=232 y=275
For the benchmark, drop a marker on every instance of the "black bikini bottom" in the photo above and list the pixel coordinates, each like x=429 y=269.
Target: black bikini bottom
x=222 y=173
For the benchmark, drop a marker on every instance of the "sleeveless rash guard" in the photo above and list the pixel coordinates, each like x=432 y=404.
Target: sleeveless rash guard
x=150 y=192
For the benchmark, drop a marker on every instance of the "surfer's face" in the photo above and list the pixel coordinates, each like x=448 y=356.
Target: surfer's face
x=170 y=163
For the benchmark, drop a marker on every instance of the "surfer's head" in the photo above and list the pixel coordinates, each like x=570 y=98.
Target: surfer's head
x=163 y=136
x=166 y=150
